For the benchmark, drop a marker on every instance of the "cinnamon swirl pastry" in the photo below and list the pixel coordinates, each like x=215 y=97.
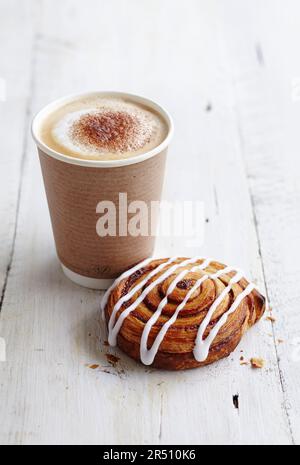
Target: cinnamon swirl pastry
x=180 y=313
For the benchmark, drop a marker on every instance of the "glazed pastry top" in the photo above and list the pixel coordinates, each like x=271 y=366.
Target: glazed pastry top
x=184 y=303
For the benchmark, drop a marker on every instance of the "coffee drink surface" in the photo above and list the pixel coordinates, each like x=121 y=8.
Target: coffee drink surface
x=103 y=128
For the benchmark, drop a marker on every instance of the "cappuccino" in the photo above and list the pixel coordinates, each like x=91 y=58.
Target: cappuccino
x=103 y=128
x=92 y=148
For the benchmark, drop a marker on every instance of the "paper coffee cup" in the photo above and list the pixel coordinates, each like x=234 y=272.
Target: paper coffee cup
x=76 y=189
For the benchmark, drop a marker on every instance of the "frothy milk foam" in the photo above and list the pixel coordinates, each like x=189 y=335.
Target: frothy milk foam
x=103 y=128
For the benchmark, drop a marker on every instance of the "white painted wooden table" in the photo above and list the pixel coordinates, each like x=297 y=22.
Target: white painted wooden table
x=229 y=74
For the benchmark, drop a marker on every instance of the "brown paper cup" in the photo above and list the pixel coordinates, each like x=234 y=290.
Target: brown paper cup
x=74 y=188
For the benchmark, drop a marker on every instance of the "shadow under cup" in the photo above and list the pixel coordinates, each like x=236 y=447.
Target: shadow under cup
x=74 y=188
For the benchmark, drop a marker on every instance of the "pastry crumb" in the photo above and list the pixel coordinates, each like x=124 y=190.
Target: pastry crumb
x=271 y=318
x=257 y=362
x=112 y=359
x=94 y=366
x=280 y=341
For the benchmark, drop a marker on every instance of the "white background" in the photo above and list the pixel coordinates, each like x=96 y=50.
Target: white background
x=229 y=73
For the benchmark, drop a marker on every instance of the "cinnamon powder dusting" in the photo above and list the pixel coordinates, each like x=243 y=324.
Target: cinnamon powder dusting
x=113 y=131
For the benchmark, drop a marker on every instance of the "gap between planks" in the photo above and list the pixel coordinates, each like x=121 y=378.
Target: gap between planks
x=242 y=143
x=26 y=135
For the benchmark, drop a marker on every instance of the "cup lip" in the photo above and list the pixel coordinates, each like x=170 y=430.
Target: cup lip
x=38 y=118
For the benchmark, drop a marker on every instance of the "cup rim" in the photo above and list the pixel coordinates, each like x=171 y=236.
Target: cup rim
x=38 y=118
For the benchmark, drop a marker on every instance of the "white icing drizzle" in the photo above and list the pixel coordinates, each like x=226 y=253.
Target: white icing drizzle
x=202 y=347
x=114 y=328
x=124 y=275
x=147 y=356
x=128 y=296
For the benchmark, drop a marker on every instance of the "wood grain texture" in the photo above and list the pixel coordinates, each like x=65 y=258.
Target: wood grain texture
x=16 y=82
x=267 y=105
x=217 y=71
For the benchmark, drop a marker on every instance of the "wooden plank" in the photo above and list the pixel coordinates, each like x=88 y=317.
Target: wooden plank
x=52 y=327
x=16 y=53
x=231 y=235
x=268 y=112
